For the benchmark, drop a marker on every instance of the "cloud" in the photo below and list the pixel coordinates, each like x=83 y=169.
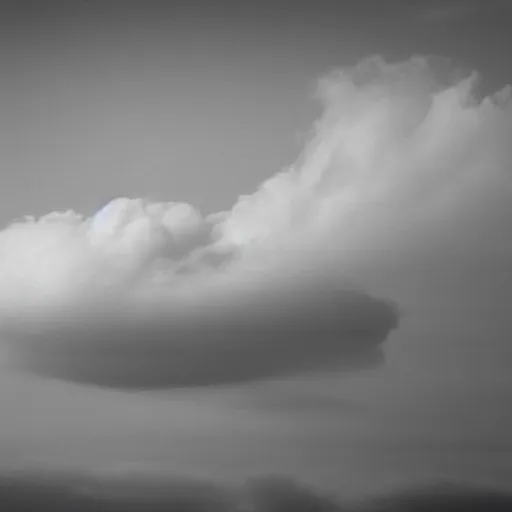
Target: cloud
x=136 y=297
x=81 y=492
x=243 y=335
x=404 y=187
x=85 y=492
x=408 y=172
x=443 y=496
x=63 y=256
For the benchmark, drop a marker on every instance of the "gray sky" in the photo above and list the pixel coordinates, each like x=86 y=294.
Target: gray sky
x=193 y=101
x=200 y=104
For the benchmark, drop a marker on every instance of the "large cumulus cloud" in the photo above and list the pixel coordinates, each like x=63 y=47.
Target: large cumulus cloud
x=142 y=295
x=407 y=175
x=404 y=160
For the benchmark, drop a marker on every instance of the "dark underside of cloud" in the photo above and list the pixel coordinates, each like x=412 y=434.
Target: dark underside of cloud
x=85 y=493
x=259 y=339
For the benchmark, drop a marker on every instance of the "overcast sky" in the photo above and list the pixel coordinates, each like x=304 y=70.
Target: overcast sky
x=256 y=238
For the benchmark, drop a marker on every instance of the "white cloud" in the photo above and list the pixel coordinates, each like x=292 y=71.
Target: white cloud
x=63 y=256
x=405 y=175
x=402 y=169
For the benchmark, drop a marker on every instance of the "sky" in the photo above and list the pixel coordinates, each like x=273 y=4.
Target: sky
x=245 y=239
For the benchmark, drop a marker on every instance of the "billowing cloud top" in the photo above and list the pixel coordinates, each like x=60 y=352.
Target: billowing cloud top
x=405 y=163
